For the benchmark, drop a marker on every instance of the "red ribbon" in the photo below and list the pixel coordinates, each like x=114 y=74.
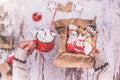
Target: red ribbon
x=53 y=19
x=10 y=59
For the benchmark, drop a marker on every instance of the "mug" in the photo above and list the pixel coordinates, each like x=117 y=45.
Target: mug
x=45 y=41
x=44 y=46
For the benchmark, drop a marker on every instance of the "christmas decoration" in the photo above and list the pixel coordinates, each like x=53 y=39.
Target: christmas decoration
x=37 y=16
x=10 y=59
x=87 y=48
x=7 y=22
x=6 y=42
x=79 y=46
x=76 y=42
x=91 y=30
x=5 y=68
x=78 y=6
x=2 y=15
x=66 y=8
x=51 y=5
x=72 y=37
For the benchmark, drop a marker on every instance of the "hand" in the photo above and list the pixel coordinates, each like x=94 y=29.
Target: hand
x=27 y=45
x=95 y=53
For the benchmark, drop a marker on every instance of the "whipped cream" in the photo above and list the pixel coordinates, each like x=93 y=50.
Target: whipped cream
x=45 y=35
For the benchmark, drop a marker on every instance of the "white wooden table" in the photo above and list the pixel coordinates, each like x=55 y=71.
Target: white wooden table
x=19 y=24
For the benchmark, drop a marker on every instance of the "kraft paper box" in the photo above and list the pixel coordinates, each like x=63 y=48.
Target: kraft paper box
x=68 y=59
x=5 y=68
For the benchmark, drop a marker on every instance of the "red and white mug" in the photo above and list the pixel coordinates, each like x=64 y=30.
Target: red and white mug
x=42 y=42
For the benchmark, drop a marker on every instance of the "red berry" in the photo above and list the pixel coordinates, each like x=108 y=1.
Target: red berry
x=11 y=58
x=37 y=16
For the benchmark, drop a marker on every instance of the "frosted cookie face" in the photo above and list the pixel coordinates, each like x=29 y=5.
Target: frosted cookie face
x=91 y=29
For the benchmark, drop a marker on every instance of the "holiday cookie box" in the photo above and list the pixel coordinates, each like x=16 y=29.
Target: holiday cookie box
x=68 y=59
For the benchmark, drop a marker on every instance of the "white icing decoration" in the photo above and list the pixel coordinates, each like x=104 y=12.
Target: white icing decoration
x=78 y=6
x=73 y=27
x=88 y=47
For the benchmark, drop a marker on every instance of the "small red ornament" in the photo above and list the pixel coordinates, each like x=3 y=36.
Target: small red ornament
x=11 y=58
x=37 y=16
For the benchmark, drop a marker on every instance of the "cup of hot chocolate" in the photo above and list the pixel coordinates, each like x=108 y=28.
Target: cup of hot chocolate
x=45 y=40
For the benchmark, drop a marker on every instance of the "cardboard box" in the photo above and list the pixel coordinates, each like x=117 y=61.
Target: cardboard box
x=5 y=68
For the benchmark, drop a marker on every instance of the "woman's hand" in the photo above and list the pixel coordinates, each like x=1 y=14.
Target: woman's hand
x=95 y=53
x=27 y=45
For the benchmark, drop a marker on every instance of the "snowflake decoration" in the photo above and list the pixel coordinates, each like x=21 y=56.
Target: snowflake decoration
x=2 y=15
x=78 y=6
x=7 y=22
x=51 y=5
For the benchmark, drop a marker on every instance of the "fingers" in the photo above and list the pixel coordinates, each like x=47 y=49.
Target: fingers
x=29 y=46
x=23 y=44
x=95 y=53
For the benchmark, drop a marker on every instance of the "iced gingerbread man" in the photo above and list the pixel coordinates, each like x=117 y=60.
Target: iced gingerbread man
x=72 y=37
x=79 y=45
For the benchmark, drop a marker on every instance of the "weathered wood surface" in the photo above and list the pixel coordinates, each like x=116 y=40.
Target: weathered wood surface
x=19 y=24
